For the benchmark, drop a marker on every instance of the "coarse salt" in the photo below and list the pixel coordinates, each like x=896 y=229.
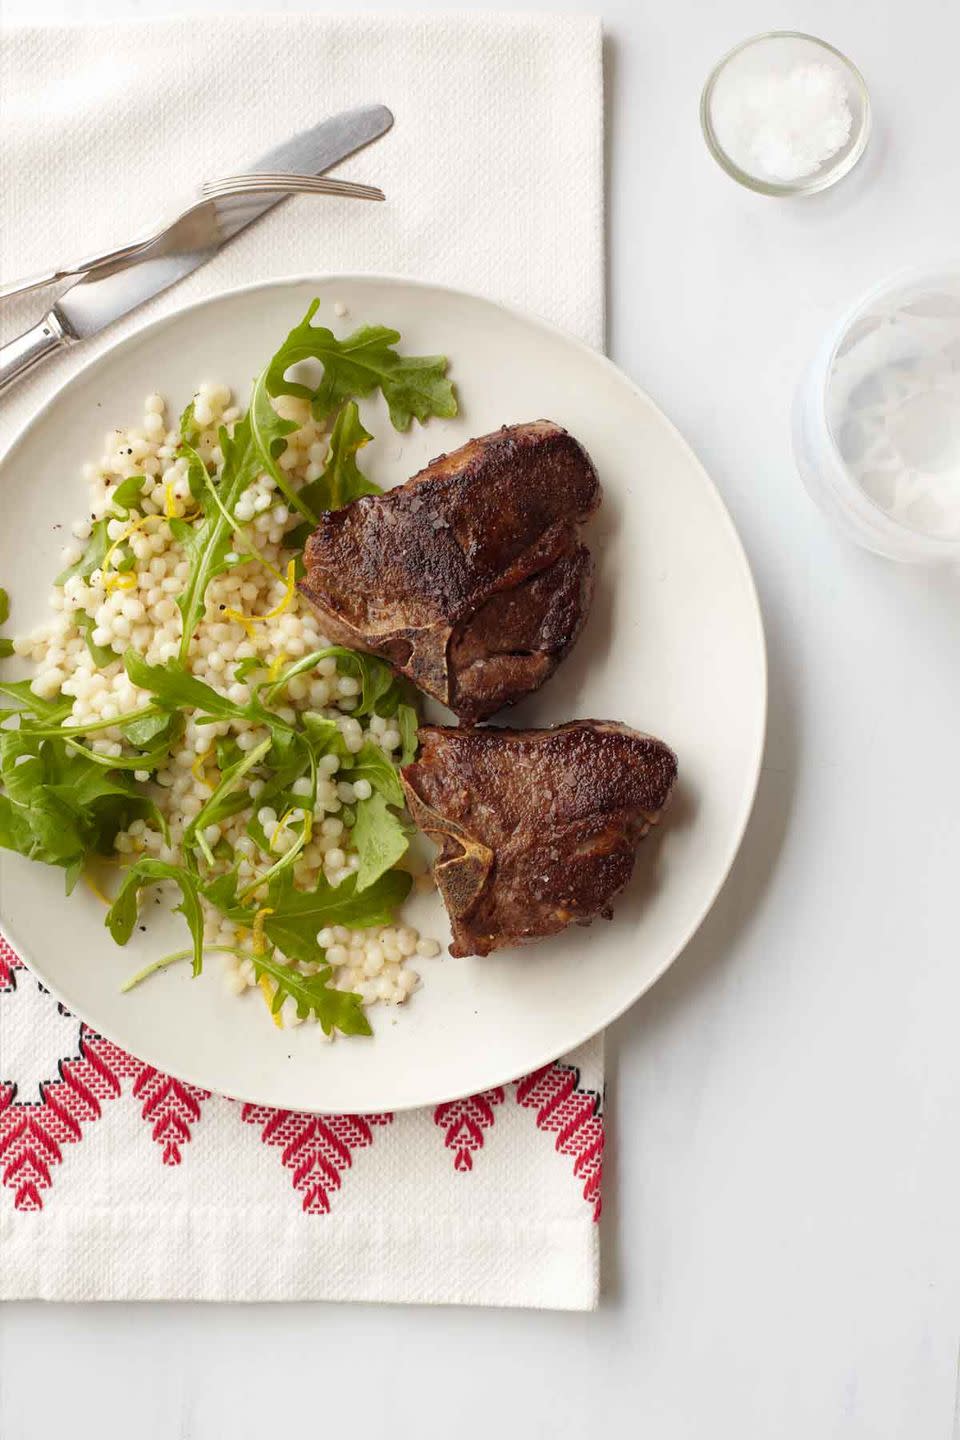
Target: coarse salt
x=785 y=124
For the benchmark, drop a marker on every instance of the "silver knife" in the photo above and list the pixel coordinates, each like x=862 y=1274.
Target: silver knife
x=91 y=304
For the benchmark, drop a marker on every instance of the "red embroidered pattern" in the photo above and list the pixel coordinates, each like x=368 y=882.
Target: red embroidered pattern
x=33 y=1134
x=464 y=1122
x=316 y=1148
x=575 y=1116
x=8 y=963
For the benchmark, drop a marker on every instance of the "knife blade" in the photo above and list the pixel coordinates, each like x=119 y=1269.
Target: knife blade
x=93 y=303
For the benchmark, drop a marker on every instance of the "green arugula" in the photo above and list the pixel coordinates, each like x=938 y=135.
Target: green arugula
x=102 y=654
x=380 y=837
x=142 y=726
x=24 y=700
x=370 y=763
x=6 y=646
x=414 y=386
x=324 y=735
x=127 y=494
x=381 y=692
x=216 y=808
x=208 y=543
x=298 y=914
x=408 y=722
x=189 y=429
x=122 y=915
x=92 y=557
x=177 y=688
x=270 y=433
x=314 y=995
x=222 y=893
x=341 y=480
x=59 y=807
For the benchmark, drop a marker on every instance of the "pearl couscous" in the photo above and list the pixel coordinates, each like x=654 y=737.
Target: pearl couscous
x=252 y=627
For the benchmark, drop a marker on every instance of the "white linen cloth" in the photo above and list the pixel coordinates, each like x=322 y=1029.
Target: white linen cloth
x=116 y=1182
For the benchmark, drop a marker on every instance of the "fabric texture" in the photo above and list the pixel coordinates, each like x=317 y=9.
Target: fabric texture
x=119 y=1182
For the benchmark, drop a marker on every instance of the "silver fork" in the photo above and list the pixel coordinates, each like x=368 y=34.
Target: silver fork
x=307 y=184
x=198 y=223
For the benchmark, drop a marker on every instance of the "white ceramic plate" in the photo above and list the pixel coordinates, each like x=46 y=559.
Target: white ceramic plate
x=673 y=645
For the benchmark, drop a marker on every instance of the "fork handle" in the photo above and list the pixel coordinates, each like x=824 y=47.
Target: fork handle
x=34 y=345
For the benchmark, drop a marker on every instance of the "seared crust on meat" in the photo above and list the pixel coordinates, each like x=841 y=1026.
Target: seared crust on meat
x=537 y=829
x=470 y=578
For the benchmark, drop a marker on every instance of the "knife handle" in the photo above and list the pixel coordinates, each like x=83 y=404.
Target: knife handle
x=20 y=355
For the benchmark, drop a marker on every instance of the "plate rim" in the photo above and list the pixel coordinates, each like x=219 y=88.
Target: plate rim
x=554 y=331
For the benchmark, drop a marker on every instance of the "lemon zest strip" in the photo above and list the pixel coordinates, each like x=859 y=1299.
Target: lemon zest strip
x=249 y=621
x=198 y=771
x=119 y=580
x=259 y=938
x=268 y=993
x=140 y=523
x=92 y=885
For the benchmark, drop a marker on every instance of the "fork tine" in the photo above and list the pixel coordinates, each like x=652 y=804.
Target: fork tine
x=238 y=184
x=276 y=187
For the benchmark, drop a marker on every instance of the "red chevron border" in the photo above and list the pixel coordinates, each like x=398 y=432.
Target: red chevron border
x=315 y=1148
x=575 y=1116
x=464 y=1123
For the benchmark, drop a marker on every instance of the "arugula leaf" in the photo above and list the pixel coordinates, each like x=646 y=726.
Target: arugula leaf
x=20 y=693
x=145 y=760
x=342 y=479
x=412 y=385
x=283 y=865
x=60 y=806
x=228 y=752
x=92 y=557
x=146 y=726
x=122 y=915
x=248 y=666
x=6 y=646
x=215 y=809
x=86 y=624
x=370 y=763
x=269 y=432
x=314 y=995
x=175 y=686
x=128 y=492
x=380 y=837
x=198 y=476
x=408 y=723
x=208 y=543
x=15 y=831
x=222 y=893
x=189 y=429
x=381 y=692
x=324 y=735
x=298 y=914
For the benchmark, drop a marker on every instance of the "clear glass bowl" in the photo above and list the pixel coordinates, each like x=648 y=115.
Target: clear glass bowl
x=777 y=52
x=876 y=421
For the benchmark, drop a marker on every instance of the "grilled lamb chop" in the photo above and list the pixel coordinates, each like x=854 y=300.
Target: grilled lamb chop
x=470 y=578
x=537 y=828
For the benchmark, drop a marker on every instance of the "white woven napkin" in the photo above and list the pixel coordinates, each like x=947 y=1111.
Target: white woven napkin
x=119 y=1182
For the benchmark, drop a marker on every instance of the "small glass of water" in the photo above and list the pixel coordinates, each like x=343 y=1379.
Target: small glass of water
x=877 y=420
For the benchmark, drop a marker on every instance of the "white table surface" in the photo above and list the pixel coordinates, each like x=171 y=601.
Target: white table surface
x=781 y=1232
